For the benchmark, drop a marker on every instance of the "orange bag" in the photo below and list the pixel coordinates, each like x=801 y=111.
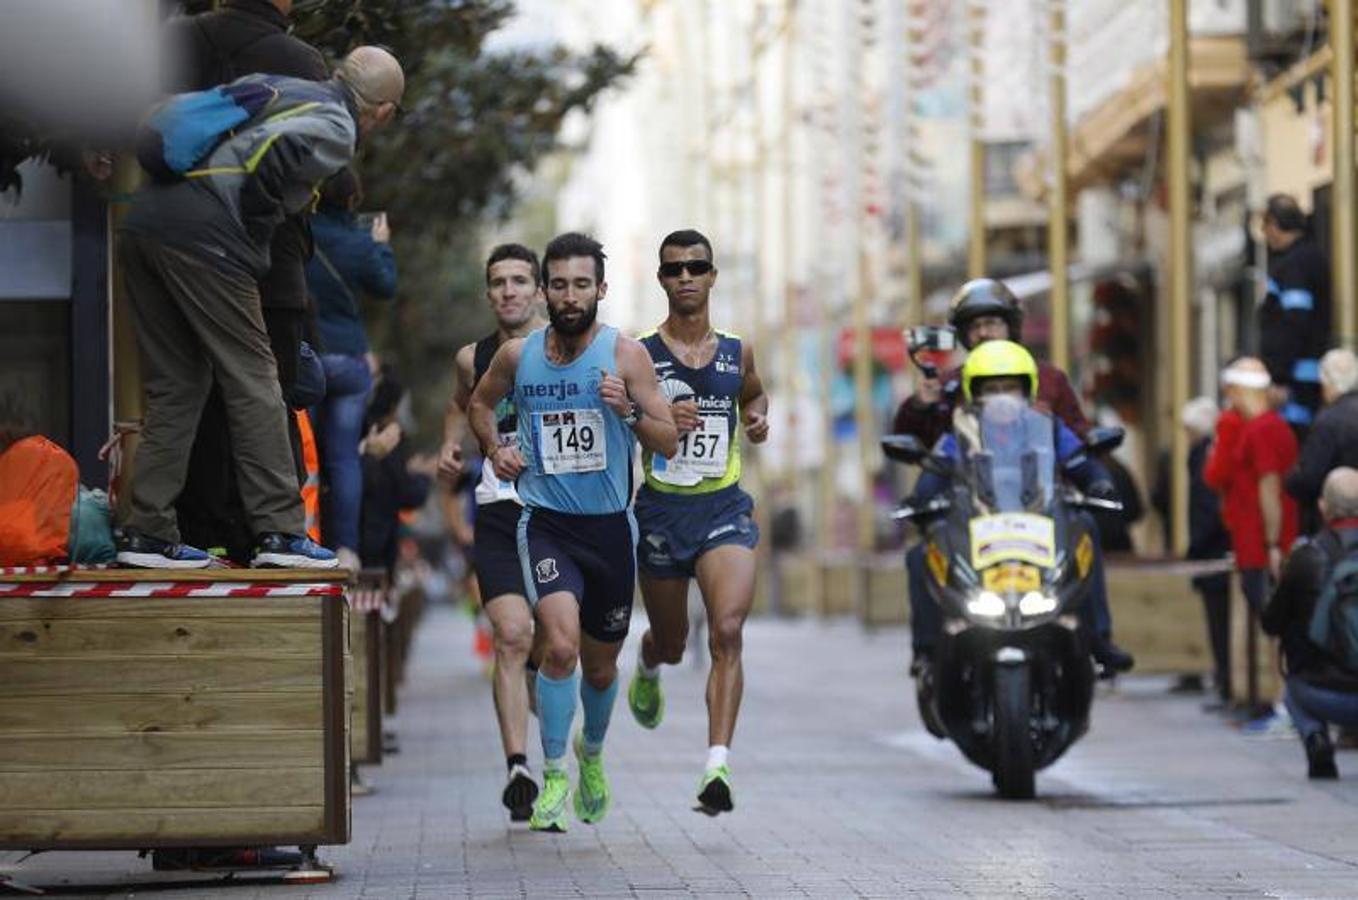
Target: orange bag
x=38 y=484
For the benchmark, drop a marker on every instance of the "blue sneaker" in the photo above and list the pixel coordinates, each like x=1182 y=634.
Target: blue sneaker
x=145 y=552
x=292 y=551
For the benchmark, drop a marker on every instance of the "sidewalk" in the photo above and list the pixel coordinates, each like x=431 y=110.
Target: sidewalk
x=840 y=793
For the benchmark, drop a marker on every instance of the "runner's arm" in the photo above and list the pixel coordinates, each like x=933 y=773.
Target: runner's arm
x=494 y=385
x=455 y=415
x=655 y=426
x=754 y=403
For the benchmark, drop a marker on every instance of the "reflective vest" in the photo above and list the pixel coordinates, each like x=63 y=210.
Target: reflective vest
x=311 y=488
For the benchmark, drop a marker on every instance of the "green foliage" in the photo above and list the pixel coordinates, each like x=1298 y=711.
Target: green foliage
x=476 y=122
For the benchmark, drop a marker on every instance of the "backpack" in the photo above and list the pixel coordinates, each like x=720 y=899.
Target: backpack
x=1334 y=621
x=39 y=484
x=185 y=129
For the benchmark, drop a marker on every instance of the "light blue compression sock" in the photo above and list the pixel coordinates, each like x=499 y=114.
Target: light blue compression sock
x=556 y=712
x=598 y=708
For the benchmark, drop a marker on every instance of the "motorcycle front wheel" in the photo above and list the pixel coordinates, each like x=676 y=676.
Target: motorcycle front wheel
x=1013 y=758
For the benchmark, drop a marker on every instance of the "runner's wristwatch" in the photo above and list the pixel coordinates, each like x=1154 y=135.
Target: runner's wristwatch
x=634 y=416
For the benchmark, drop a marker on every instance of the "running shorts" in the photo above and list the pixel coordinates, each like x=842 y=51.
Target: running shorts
x=676 y=529
x=495 y=550
x=590 y=557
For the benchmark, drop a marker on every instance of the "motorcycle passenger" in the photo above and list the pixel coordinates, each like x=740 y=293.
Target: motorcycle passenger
x=984 y=310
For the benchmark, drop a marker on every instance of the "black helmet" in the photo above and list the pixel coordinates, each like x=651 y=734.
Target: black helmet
x=985 y=297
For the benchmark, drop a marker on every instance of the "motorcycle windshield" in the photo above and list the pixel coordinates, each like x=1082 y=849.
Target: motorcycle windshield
x=1018 y=462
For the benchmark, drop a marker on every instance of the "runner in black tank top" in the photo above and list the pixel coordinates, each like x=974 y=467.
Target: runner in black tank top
x=515 y=297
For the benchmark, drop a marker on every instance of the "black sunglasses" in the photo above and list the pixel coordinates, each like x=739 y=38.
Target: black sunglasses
x=696 y=267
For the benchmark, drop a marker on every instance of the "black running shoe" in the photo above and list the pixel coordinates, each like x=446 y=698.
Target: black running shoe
x=519 y=794
x=145 y=552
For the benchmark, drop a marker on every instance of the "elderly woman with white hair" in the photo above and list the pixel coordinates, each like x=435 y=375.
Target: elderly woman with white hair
x=1315 y=612
x=1333 y=439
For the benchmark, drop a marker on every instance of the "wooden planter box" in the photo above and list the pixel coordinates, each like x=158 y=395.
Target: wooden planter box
x=152 y=709
x=367 y=637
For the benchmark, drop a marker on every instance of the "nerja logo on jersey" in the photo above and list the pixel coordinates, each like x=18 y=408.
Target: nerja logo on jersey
x=560 y=390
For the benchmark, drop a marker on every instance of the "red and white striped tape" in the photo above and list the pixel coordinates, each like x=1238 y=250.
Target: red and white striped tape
x=90 y=589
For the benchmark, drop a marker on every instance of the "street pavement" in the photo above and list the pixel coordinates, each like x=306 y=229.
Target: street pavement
x=839 y=793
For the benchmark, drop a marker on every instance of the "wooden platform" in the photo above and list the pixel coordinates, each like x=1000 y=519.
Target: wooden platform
x=171 y=721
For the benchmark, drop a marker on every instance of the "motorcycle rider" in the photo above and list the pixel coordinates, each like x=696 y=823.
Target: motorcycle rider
x=1006 y=369
x=985 y=310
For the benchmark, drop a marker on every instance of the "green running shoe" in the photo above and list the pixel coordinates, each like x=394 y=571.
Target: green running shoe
x=592 y=798
x=646 y=700
x=714 y=792
x=549 y=810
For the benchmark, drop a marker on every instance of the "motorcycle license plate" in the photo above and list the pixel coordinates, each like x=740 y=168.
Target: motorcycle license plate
x=1012 y=537
x=1010 y=577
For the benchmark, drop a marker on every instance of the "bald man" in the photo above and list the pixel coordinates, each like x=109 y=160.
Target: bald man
x=1253 y=452
x=193 y=251
x=1322 y=675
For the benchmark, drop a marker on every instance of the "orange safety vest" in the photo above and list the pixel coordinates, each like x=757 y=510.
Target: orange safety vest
x=311 y=488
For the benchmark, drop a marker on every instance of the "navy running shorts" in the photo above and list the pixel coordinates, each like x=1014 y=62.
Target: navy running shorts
x=593 y=558
x=676 y=529
x=495 y=550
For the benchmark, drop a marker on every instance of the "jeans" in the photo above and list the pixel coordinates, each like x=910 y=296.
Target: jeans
x=1313 y=708
x=340 y=416
x=925 y=621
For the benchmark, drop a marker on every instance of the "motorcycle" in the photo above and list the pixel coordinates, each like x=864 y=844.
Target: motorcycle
x=1008 y=559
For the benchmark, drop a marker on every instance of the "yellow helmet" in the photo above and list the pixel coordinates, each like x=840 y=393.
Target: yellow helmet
x=999 y=359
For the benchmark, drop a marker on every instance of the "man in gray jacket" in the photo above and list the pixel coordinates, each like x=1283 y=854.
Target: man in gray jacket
x=193 y=252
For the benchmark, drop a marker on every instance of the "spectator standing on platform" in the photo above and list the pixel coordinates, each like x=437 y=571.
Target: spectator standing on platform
x=245 y=37
x=1322 y=680
x=1294 y=320
x=1333 y=439
x=351 y=260
x=193 y=251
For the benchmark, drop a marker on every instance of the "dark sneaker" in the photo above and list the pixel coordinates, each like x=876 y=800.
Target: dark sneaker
x=1320 y=757
x=145 y=552
x=520 y=793
x=292 y=551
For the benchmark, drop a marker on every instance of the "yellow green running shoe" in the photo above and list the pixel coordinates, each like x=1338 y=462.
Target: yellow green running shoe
x=592 y=798
x=646 y=700
x=714 y=792
x=549 y=810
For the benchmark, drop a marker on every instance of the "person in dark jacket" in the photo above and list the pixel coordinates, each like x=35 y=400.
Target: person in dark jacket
x=1321 y=691
x=393 y=480
x=245 y=37
x=1333 y=439
x=350 y=261
x=1294 y=319
x=1208 y=539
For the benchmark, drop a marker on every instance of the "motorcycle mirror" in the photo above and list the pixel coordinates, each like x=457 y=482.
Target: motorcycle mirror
x=905 y=448
x=1103 y=440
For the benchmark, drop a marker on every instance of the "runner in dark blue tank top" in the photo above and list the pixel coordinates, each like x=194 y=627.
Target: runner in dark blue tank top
x=584 y=395
x=513 y=288
x=694 y=519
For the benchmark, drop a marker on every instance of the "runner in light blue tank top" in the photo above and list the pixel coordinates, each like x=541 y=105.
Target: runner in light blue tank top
x=578 y=451
x=584 y=394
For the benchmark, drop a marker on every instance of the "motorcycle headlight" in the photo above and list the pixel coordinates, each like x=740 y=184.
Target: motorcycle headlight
x=1036 y=604
x=986 y=604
